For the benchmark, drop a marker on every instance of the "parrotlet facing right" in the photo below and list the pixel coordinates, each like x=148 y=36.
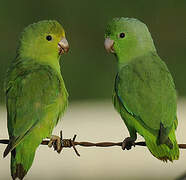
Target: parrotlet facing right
x=144 y=91
x=36 y=96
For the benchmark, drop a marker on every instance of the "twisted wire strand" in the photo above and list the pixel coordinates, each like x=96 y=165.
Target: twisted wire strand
x=71 y=143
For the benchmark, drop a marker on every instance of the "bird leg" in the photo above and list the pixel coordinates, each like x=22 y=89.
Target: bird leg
x=56 y=142
x=128 y=143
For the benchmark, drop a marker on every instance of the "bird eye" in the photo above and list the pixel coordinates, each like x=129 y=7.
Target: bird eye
x=49 y=38
x=122 y=35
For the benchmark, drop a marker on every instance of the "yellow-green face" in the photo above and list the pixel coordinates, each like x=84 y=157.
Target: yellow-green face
x=43 y=40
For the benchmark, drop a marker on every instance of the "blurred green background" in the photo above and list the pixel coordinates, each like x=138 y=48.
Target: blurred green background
x=88 y=70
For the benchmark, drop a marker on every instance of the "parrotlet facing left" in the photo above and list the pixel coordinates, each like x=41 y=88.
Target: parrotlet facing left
x=144 y=92
x=36 y=96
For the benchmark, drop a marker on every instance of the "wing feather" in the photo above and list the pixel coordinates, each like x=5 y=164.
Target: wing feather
x=29 y=94
x=147 y=91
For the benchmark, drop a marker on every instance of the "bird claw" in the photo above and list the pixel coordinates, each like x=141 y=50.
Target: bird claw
x=128 y=143
x=59 y=143
x=56 y=142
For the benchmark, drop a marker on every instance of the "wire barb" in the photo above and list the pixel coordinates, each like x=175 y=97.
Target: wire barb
x=68 y=143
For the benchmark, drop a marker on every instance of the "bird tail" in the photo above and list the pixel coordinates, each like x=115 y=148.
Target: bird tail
x=21 y=160
x=163 y=151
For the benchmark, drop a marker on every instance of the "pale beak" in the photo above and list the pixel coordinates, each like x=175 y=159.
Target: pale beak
x=63 y=46
x=109 y=45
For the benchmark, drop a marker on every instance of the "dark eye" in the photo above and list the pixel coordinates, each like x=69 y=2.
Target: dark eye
x=122 y=35
x=49 y=38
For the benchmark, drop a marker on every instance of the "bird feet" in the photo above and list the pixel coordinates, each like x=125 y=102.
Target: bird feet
x=56 y=142
x=128 y=143
x=59 y=143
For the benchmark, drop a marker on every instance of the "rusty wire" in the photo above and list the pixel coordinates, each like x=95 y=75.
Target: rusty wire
x=71 y=143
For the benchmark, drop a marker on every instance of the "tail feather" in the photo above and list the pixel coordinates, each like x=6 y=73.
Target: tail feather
x=10 y=147
x=21 y=161
x=7 y=150
x=19 y=173
x=163 y=151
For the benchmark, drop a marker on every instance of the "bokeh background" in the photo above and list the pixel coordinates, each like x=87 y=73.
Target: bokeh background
x=89 y=76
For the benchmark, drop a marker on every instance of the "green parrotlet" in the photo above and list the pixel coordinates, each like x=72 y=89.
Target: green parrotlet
x=36 y=96
x=144 y=91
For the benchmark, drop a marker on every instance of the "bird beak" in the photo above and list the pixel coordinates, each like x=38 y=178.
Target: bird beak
x=109 y=45
x=63 y=46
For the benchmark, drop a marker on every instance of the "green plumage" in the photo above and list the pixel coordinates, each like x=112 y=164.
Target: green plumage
x=35 y=94
x=144 y=92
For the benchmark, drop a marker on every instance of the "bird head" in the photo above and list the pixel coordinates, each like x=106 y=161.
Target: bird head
x=43 y=41
x=127 y=38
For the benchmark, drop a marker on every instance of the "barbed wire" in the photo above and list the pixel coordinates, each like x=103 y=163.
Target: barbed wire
x=71 y=143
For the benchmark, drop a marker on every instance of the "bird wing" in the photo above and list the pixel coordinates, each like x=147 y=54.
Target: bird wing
x=146 y=90
x=30 y=93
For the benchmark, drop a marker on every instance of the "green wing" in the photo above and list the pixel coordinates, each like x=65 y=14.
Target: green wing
x=147 y=91
x=31 y=92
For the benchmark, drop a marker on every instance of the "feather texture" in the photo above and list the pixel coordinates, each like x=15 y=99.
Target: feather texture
x=36 y=96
